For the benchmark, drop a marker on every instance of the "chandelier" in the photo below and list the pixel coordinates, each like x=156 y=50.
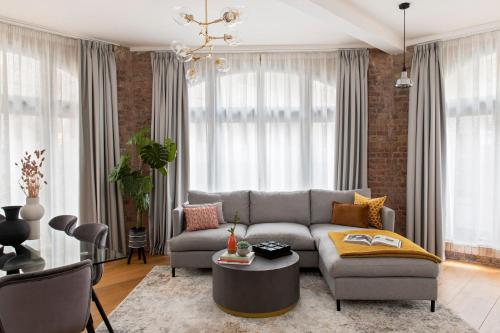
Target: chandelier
x=230 y=17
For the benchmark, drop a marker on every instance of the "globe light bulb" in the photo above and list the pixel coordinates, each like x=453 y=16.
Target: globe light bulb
x=232 y=39
x=192 y=74
x=222 y=65
x=182 y=15
x=232 y=16
x=182 y=52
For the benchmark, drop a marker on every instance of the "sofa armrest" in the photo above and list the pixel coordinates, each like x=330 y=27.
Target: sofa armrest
x=388 y=218
x=178 y=221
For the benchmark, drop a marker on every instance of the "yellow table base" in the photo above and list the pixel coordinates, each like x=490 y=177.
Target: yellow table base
x=257 y=314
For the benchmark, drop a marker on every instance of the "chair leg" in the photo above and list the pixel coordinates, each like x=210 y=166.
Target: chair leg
x=338 y=305
x=90 y=325
x=173 y=271
x=433 y=306
x=130 y=256
x=101 y=311
x=143 y=255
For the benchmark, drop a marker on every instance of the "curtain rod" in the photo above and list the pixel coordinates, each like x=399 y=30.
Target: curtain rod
x=50 y=31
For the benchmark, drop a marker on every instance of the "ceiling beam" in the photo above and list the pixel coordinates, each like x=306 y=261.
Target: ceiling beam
x=352 y=21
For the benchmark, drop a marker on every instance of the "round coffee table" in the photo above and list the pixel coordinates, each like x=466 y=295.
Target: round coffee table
x=266 y=288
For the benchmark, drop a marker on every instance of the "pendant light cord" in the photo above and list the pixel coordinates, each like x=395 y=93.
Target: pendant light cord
x=404 y=40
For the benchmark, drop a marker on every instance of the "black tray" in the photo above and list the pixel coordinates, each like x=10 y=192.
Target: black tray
x=271 y=249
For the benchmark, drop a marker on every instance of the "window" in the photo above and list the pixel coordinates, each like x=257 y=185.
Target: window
x=471 y=71
x=39 y=108
x=267 y=124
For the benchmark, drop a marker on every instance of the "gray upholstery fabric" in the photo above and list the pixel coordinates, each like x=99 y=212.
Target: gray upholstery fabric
x=55 y=300
x=205 y=240
x=372 y=267
x=351 y=123
x=386 y=288
x=94 y=233
x=232 y=202
x=388 y=218
x=97 y=234
x=294 y=234
x=320 y=230
x=169 y=119
x=66 y=223
x=178 y=224
x=280 y=207
x=426 y=151
x=100 y=200
x=321 y=202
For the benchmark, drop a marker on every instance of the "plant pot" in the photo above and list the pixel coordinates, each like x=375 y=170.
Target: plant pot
x=13 y=230
x=242 y=252
x=231 y=244
x=32 y=212
x=137 y=237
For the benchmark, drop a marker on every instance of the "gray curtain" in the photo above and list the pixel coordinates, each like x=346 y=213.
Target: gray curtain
x=169 y=119
x=351 y=154
x=426 y=144
x=100 y=201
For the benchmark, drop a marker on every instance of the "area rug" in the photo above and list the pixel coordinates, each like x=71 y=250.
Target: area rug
x=161 y=303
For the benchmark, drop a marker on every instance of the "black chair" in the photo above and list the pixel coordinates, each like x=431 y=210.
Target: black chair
x=66 y=223
x=55 y=300
x=97 y=234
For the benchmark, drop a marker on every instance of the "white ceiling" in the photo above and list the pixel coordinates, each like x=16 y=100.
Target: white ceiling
x=432 y=17
x=333 y=23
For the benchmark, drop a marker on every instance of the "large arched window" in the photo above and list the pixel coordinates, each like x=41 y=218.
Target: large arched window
x=267 y=124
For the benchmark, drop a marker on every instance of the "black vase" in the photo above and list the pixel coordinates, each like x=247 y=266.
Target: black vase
x=13 y=230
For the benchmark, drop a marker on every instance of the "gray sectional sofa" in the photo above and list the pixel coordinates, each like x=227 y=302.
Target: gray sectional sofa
x=302 y=219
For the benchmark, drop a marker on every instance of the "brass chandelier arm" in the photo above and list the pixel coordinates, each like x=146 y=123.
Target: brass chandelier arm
x=204 y=24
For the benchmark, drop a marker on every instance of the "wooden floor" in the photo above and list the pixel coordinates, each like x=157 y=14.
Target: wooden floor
x=472 y=291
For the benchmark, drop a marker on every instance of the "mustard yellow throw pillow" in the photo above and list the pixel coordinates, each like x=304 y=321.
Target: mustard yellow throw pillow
x=375 y=205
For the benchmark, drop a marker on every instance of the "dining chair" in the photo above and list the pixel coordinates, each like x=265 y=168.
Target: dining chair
x=97 y=234
x=66 y=223
x=55 y=300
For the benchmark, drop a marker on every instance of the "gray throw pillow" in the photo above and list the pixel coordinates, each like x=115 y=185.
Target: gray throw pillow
x=220 y=216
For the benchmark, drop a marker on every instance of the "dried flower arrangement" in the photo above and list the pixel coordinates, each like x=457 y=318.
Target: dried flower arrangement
x=31 y=174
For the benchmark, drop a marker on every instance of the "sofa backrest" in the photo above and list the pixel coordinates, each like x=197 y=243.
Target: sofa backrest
x=321 y=202
x=232 y=202
x=280 y=207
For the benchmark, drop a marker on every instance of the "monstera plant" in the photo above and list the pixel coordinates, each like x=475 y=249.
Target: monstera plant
x=135 y=182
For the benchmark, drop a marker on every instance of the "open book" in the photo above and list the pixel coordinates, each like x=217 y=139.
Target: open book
x=375 y=240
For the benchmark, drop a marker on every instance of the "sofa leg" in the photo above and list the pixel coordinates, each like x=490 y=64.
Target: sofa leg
x=173 y=271
x=338 y=305
x=433 y=306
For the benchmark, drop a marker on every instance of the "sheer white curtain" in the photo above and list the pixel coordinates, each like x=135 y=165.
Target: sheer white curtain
x=472 y=91
x=267 y=124
x=39 y=106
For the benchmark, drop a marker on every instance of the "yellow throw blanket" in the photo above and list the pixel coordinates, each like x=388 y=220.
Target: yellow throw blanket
x=408 y=249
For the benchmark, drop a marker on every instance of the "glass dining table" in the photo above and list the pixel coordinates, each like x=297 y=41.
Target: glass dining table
x=55 y=249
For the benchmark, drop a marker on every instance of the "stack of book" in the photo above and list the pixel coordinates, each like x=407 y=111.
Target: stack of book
x=234 y=259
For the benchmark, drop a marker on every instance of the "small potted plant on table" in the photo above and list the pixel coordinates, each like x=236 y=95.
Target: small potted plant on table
x=243 y=248
x=136 y=182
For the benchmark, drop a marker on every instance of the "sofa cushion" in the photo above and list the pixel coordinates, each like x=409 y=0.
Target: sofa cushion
x=321 y=202
x=322 y=229
x=280 y=207
x=232 y=202
x=294 y=234
x=205 y=240
x=372 y=267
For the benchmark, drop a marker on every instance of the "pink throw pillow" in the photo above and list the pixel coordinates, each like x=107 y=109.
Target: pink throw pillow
x=201 y=218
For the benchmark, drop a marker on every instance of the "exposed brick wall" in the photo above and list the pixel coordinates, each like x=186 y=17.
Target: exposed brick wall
x=388 y=132
x=134 y=81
